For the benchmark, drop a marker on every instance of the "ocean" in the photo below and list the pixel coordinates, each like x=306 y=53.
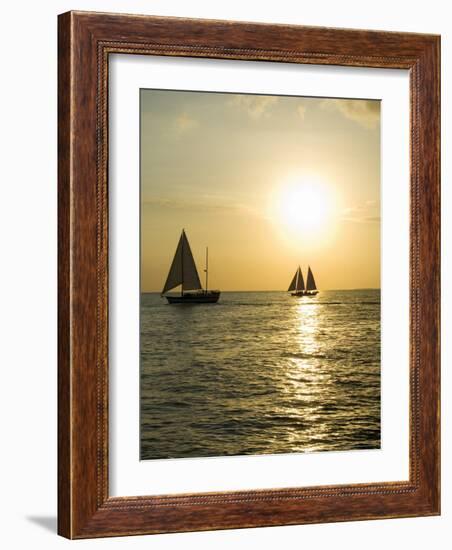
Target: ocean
x=260 y=373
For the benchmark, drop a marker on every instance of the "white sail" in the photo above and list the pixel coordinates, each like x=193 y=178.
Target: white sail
x=310 y=283
x=300 y=281
x=293 y=284
x=183 y=268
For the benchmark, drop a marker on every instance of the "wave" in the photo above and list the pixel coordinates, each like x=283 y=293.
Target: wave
x=300 y=355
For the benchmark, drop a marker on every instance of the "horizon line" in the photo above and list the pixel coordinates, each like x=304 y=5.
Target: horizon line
x=272 y=290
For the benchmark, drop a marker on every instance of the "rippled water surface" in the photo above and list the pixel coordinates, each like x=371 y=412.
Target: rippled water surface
x=260 y=372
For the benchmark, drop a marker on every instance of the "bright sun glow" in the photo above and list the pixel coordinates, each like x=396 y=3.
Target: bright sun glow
x=304 y=206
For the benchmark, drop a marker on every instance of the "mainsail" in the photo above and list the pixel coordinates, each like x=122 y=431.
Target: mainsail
x=297 y=281
x=310 y=283
x=183 y=269
x=300 y=282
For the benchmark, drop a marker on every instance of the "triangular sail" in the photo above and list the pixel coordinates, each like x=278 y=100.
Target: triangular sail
x=310 y=283
x=297 y=281
x=190 y=277
x=293 y=284
x=175 y=273
x=300 y=281
x=183 y=268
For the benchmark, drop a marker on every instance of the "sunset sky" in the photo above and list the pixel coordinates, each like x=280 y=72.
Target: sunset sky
x=266 y=182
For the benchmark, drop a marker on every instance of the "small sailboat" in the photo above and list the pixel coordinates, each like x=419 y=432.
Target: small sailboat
x=183 y=273
x=297 y=285
x=311 y=289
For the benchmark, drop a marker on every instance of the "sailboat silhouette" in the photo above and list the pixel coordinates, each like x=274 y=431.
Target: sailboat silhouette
x=297 y=287
x=183 y=273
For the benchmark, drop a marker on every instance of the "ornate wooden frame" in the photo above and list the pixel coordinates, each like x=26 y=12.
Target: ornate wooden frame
x=85 y=42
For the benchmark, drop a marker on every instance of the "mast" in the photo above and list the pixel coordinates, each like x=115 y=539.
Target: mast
x=182 y=264
x=207 y=266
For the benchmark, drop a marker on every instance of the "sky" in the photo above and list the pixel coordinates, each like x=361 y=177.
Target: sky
x=266 y=182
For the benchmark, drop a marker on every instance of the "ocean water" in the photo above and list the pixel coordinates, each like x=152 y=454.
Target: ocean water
x=260 y=372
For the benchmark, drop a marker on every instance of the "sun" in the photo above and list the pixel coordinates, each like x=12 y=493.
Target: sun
x=304 y=206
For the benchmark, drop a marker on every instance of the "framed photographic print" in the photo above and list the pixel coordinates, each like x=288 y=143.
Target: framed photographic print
x=248 y=275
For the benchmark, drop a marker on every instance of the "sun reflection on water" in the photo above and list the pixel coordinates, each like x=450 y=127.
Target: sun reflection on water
x=308 y=380
x=307 y=325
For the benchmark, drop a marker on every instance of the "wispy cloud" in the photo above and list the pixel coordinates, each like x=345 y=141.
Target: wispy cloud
x=185 y=123
x=205 y=203
x=254 y=105
x=364 y=112
x=367 y=212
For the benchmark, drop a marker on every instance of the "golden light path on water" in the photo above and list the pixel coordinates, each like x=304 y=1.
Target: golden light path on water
x=304 y=378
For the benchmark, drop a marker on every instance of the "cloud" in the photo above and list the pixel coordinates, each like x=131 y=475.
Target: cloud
x=368 y=212
x=255 y=106
x=364 y=112
x=184 y=123
x=205 y=204
x=301 y=110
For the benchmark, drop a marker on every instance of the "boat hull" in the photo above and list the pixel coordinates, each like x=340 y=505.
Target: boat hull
x=305 y=293
x=210 y=297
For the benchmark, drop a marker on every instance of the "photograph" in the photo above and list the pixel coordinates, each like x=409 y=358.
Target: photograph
x=224 y=237
x=259 y=274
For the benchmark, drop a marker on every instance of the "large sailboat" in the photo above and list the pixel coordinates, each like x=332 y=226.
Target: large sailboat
x=297 y=285
x=183 y=273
